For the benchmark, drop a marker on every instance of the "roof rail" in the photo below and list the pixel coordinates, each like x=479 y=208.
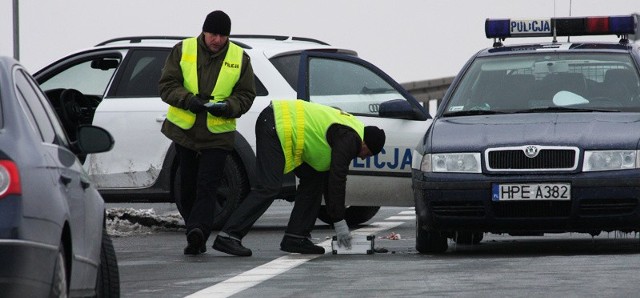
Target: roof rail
x=279 y=37
x=138 y=39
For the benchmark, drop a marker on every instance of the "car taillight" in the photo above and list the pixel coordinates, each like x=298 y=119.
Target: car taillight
x=9 y=179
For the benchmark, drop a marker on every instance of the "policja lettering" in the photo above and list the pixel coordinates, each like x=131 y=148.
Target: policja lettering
x=530 y=26
x=231 y=65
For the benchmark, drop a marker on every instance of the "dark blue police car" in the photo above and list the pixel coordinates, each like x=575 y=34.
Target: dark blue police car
x=535 y=138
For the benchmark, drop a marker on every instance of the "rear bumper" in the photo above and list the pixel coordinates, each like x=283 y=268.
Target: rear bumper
x=599 y=202
x=27 y=269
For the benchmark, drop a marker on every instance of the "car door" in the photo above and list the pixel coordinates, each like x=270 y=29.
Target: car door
x=125 y=81
x=85 y=211
x=360 y=88
x=133 y=113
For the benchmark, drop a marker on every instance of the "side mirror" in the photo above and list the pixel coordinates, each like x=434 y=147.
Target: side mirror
x=401 y=109
x=94 y=139
x=104 y=63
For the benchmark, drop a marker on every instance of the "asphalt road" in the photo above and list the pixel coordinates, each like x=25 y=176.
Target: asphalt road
x=152 y=265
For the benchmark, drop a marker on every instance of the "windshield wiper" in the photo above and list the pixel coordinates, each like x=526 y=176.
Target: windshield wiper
x=472 y=112
x=564 y=109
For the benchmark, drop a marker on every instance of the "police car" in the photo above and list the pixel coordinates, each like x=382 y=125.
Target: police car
x=115 y=85
x=535 y=138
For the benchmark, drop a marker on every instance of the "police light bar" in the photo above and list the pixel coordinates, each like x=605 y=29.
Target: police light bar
x=567 y=26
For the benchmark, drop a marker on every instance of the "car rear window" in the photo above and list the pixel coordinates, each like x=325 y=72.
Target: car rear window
x=142 y=73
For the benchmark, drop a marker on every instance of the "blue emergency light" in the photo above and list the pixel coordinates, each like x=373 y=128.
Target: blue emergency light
x=567 y=26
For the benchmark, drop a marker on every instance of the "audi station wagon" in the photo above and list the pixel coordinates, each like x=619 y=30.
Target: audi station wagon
x=115 y=85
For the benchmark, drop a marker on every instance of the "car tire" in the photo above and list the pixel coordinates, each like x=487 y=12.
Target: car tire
x=59 y=283
x=468 y=238
x=232 y=191
x=233 y=188
x=353 y=215
x=108 y=279
x=429 y=242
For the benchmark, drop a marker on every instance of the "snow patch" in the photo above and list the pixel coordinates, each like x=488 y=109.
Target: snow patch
x=123 y=222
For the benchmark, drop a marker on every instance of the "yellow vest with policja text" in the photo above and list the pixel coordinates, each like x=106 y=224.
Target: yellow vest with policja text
x=227 y=79
x=302 y=128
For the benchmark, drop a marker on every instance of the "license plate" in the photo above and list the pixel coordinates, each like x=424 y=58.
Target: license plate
x=531 y=191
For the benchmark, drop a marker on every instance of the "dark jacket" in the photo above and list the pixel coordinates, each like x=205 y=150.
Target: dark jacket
x=172 y=91
x=345 y=145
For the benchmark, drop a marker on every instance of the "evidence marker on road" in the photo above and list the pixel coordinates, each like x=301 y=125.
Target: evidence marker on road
x=360 y=245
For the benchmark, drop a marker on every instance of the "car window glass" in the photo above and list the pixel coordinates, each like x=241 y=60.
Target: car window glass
x=141 y=74
x=33 y=108
x=49 y=109
x=261 y=90
x=1 y=119
x=348 y=86
x=535 y=81
x=91 y=77
x=288 y=68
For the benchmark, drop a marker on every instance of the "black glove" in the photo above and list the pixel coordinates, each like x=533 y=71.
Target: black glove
x=195 y=105
x=218 y=109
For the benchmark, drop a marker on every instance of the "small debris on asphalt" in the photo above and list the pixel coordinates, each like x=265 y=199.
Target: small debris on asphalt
x=392 y=236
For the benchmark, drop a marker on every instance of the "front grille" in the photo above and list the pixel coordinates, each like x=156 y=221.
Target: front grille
x=598 y=207
x=524 y=209
x=460 y=208
x=547 y=159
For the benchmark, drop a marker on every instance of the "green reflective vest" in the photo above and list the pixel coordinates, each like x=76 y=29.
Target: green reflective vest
x=302 y=127
x=227 y=79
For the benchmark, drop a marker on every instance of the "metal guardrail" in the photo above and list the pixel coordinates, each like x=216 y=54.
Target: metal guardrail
x=427 y=90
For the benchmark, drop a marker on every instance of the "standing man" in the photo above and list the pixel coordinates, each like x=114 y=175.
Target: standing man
x=200 y=71
x=317 y=143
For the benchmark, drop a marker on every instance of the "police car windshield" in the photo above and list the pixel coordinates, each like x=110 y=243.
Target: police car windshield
x=541 y=81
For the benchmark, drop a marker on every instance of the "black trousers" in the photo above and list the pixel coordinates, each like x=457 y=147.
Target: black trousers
x=270 y=168
x=200 y=175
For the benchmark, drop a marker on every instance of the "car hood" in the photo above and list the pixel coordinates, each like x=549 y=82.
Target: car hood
x=583 y=130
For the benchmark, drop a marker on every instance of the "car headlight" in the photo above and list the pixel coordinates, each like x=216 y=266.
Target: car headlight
x=608 y=160
x=449 y=162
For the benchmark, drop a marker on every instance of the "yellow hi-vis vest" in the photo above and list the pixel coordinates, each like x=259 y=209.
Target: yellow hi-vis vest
x=227 y=79
x=302 y=127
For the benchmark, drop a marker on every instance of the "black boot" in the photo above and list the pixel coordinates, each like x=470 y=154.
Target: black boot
x=300 y=245
x=231 y=246
x=195 y=242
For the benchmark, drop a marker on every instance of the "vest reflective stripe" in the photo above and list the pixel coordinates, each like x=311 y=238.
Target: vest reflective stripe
x=302 y=128
x=287 y=129
x=227 y=78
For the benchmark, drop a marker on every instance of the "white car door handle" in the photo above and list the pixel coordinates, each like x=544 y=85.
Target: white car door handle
x=161 y=118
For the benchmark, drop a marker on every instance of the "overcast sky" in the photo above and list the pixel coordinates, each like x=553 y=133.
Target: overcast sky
x=411 y=40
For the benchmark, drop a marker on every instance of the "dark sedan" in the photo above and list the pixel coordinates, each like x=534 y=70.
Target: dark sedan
x=535 y=138
x=53 y=240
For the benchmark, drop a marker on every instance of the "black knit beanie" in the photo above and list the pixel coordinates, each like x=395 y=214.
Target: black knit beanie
x=217 y=22
x=374 y=137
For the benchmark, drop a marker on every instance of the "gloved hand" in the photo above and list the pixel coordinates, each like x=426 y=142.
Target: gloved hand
x=218 y=109
x=196 y=105
x=342 y=233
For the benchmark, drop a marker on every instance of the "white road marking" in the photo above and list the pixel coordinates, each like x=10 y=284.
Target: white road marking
x=278 y=266
x=401 y=217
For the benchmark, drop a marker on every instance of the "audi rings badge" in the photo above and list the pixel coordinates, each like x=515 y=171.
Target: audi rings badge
x=374 y=107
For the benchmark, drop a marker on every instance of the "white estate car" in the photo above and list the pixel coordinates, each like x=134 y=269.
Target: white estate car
x=115 y=85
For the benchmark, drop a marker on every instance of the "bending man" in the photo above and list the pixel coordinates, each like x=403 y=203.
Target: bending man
x=317 y=143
